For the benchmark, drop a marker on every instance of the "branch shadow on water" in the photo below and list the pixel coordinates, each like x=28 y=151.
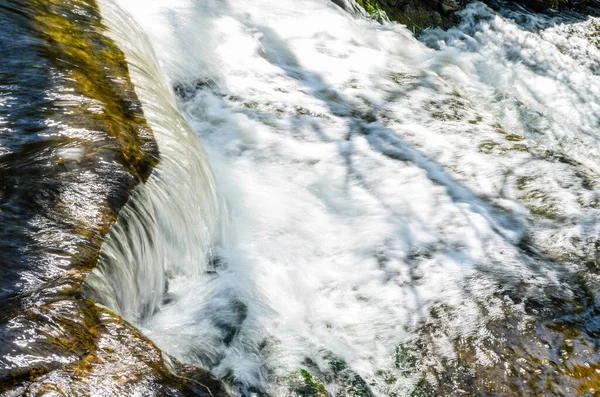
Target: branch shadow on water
x=558 y=303
x=364 y=123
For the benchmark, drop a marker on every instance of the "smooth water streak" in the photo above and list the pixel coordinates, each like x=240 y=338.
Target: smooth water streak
x=171 y=223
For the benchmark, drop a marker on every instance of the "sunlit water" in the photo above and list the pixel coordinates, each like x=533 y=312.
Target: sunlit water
x=369 y=178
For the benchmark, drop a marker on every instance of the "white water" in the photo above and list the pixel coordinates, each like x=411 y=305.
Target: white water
x=368 y=178
x=170 y=225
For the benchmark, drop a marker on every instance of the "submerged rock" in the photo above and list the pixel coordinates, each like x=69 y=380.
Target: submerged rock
x=305 y=384
x=553 y=353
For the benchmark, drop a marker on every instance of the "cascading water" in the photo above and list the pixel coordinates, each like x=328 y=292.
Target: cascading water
x=171 y=223
x=381 y=193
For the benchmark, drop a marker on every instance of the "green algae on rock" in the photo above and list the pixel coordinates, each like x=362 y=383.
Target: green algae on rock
x=305 y=384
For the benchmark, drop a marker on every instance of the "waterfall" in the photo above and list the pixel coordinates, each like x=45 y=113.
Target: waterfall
x=343 y=208
x=171 y=224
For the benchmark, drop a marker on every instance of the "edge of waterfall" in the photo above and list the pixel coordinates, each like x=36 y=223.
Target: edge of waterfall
x=171 y=223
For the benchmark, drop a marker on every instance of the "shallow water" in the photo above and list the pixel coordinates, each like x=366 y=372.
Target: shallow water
x=388 y=203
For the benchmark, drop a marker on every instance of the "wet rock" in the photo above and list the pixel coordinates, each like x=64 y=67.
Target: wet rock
x=551 y=353
x=536 y=5
x=334 y=370
x=109 y=357
x=74 y=144
x=423 y=14
x=305 y=384
x=449 y=6
x=351 y=7
x=415 y=15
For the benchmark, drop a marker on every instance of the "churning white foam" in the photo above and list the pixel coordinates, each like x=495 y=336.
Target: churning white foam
x=368 y=178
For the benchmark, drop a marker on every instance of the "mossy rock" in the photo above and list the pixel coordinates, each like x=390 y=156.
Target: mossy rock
x=110 y=355
x=415 y=15
x=336 y=370
x=304 y=384
x=406 y=358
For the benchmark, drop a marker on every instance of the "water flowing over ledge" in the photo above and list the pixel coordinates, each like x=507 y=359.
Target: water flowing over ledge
x=74 y=143
x=172 y=223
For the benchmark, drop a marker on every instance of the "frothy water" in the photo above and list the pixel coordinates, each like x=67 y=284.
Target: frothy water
x=371 y=179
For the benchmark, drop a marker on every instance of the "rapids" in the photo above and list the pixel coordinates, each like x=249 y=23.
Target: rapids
x=378 y=199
